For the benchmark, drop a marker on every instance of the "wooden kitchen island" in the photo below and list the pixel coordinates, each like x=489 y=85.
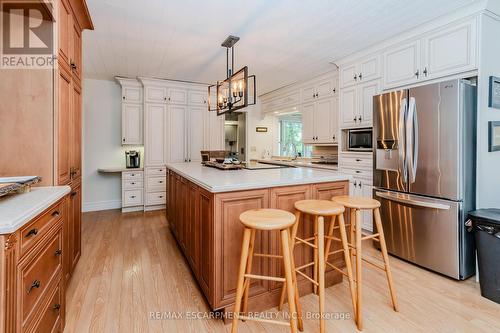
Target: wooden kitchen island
x=203 y=209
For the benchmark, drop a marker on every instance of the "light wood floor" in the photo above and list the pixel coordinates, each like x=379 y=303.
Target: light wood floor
x=130 y=267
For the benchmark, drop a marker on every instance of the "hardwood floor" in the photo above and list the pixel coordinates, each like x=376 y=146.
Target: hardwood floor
x=131 y=266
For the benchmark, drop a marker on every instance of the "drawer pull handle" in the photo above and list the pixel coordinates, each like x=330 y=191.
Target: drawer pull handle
x=357 y=171
x=132 y=183
x=73 y=194
x=133 y=174
x=160 y=170
x=56 y=213
x=133 y=196
x=56 y=307
x=32 y=232
x=160 y=196
x=58 y=252
x=35 y=284
x=358 y=160
x=160 y=181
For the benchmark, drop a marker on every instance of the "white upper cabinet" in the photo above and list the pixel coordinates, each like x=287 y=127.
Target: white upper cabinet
x=307 y=111
x=177 y=133
x=356 y=104
x=197 y=97
x=348 y=106
x=155 y=134
x=402 y=64
x=132 y=124
x=451 y=50
x=441 y=52
x=363 y=70
x=132 y=94
x=319 y=88
x=196 y=139
x=322 y=120
x=215 y=139
x=132 y=111
x=308 y=94
x=156 y=94
x=177 y=96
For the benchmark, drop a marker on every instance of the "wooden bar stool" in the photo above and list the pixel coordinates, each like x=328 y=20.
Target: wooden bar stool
x=265 y=220
x=320 y=209
x=356 y=204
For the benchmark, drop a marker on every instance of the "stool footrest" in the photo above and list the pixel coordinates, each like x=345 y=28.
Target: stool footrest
x=307 y=277
x=304 y=266
x=335 y=252
x=333 y=238
x=306 y=242
x=366 y=237
x=337 y=269
x=269 y=321
x=263 y=277
x=272 y=256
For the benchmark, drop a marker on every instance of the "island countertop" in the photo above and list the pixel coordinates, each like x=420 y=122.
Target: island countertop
x=18 y=209
x=218 y=181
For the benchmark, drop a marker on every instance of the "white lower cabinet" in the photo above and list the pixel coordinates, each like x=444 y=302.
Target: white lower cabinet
x=156 y=187
x=362 y=188
x=132 y=191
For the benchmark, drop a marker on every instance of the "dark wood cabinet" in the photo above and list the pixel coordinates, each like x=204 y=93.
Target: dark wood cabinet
x=64 y=128
x=75 y=226
x=207 y=228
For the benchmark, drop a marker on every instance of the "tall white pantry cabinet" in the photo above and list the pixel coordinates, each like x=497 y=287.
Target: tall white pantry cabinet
x=173 y=124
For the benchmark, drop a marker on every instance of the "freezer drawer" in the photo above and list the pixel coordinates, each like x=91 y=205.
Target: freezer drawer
x=422 y=230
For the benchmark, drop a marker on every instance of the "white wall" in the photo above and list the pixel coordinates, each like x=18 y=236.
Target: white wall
x=488 y=164
x=101 y=144
x=257 y=143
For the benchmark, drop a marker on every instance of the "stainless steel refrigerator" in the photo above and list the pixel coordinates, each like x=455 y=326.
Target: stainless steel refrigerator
x=424 y=174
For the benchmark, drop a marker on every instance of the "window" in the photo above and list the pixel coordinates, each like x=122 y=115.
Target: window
x=290 y=133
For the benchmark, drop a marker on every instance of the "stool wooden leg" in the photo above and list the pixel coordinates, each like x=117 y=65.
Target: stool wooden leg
x=347 y=258
x=293 y=234
x=321 y=272
x=248 y=271
x=352 y=232
x=241 y=278
x=383 y=247
x=315 y=268
x=285 y=240
x=328 y=244
x=359 y=282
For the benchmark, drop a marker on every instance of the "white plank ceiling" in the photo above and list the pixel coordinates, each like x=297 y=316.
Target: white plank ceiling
x=282 y=41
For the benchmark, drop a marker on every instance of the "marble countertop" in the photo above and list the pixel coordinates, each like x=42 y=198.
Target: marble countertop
x=18 y=209
x=217 y=181
x=300 y=163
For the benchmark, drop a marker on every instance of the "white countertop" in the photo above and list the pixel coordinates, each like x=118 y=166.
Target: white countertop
x=217 y=181
x=18 y=209
x=300 y=163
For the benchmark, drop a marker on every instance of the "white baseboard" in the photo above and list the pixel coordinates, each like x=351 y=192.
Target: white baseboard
x=101 y=205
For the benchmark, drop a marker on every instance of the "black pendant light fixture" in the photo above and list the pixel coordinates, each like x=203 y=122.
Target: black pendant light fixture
x=237 y=91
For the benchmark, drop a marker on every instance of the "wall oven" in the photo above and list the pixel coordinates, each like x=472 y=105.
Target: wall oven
x=360 y=139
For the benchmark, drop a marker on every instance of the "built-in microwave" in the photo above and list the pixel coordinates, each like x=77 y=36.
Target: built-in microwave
x=360 y=139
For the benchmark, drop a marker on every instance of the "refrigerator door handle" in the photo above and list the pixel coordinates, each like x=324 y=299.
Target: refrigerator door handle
x=412 y=139
x=406 y=199
x=402 y=165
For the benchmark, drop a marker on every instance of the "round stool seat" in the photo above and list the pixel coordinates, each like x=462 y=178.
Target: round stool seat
x=267 y=219
x=356 y=202
x=319 y=207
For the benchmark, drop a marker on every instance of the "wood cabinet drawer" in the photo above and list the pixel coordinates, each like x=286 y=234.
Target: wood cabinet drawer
x=33 y=232
x=37 y=272
x=132 y=198
x=50 y=320
x=160 y=182
x=132 y=184
x=156 y=171
x=138 y=175
x=156 y=198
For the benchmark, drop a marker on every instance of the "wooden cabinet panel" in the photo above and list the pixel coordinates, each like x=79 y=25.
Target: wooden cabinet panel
x=76 y=56
x=76 y=134
x=64 y=27
x=328 y=190
x=64 y=127
x=285 y=198
x=229 y=237
x=51 y=320
x=206 y=244
x=193 y=228
x=75 y=225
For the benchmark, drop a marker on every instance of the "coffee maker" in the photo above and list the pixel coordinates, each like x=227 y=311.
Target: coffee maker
x=133 y=159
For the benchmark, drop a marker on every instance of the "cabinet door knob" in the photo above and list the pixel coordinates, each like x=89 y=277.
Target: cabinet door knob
x=359 y=118
x=355 y=119
x=123 y=139
x=355 y=183
x=358 y=160
x=58 y=252
x=34 y=284
x=313 y=96
x=355 y=77
x=73 y=194
x=417 y=73
x=32 y=232
x=56 y=307
x=55 y=213
x=360 y=76
x=334 y=90
x=123 y=97
x=359 y=184
x=425 y=71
